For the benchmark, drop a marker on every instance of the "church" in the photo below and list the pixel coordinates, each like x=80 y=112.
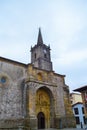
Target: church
x=33 y=96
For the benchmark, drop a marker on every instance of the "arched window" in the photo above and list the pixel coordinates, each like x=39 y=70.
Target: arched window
x=45 y=56
x=39 y=76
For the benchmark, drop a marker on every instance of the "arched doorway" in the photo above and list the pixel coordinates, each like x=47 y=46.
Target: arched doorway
x=41 y=120
x=44 y=104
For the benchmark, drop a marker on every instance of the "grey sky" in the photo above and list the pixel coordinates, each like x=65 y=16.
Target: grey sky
x=64 y=27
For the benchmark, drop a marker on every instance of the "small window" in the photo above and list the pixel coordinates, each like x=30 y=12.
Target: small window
x=77 y=120
x=45 y=56
x=76 y=111
x=40 y=76
x=84 y=119
x=71 y=102
x=83 y=110
x=35 y=55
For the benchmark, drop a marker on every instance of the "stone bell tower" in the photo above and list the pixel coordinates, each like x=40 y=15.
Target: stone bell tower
x=40 y=55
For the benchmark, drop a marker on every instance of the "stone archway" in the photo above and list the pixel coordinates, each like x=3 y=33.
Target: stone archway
x=44 y=107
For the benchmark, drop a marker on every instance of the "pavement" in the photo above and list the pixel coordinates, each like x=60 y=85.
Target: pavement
x=72 y=129
x=65 y=129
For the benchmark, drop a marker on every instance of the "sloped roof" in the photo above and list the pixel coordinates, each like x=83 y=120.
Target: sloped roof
x=12 y=61
x=81 y=89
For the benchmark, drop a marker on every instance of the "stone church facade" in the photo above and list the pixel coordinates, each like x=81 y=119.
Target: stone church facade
x=33 y=96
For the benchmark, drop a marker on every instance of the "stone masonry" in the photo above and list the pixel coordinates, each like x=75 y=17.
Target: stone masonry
x=33 y=96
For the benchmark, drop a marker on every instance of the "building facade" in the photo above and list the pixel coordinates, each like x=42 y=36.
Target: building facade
x=75 y=98
x=33 y=95
x=83 y=91
x=78 y=110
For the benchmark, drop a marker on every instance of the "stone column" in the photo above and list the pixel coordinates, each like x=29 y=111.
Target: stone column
x=31 y=105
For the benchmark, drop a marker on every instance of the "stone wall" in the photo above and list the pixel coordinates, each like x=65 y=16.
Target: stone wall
x=18 y=88
x=11 y=77
x=14 y=124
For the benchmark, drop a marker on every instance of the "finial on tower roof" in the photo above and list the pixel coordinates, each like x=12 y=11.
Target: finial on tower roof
x=39 y=40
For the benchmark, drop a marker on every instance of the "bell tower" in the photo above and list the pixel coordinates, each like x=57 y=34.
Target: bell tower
x=40 y=54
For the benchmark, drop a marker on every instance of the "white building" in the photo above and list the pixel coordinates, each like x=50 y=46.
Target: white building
x=78 y=110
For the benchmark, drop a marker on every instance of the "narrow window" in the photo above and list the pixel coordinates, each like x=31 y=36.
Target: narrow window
x=84 y=119
x=35 y=55
x=45 y=56
x=76 y=111
x=77 y=120
x=39 y=76
x=83 y=110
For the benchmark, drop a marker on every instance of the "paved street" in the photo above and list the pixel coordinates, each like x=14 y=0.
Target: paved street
x=64 y=129
x=71 y=129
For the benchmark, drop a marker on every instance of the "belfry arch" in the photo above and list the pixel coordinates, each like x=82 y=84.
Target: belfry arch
x=44 y=108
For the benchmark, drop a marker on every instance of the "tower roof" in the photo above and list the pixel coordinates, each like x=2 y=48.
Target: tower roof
x=39 y=40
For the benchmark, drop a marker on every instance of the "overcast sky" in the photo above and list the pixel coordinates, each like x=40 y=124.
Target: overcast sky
x=63 y=25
